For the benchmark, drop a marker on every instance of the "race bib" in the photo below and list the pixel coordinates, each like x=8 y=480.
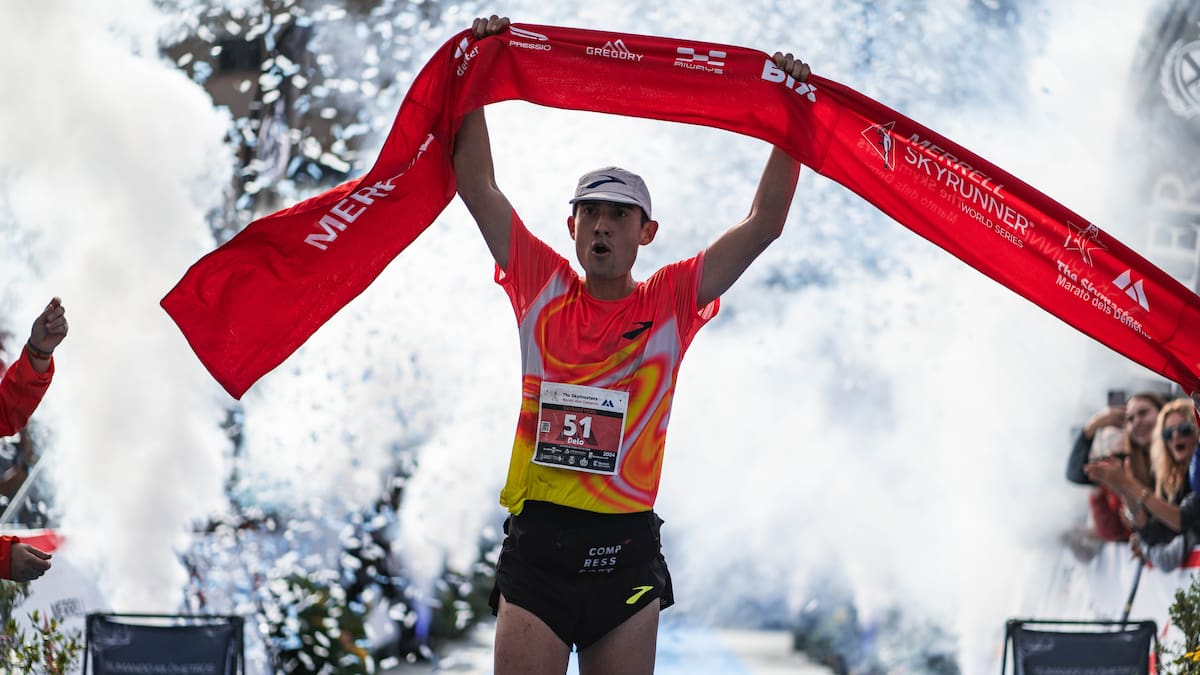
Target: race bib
x=580 y=428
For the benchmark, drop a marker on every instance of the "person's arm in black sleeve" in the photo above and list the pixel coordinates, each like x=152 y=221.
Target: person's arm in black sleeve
x=1079 y=457
x=1112 y=416
x=1189 y=514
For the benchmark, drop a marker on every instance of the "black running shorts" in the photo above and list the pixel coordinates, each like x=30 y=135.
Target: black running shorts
x=582 y=573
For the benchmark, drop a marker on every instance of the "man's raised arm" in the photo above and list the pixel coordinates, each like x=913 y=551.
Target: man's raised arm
x=728 y=257
x=475 y=173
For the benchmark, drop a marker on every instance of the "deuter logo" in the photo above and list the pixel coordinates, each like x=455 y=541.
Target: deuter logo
x=1084 y=240
x=461 y=53
x=879 y=136
x=772 y=73
x=712 y=61
x=1132 y=288
x=538 y=40
x=614 y=49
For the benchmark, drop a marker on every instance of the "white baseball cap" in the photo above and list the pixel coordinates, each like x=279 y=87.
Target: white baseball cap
x=613 y=184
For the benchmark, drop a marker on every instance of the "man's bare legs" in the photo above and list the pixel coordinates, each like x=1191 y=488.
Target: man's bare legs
x=628 y=649
x=525 y=644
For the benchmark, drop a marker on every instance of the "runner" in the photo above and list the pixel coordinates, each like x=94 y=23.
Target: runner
x=581 y=565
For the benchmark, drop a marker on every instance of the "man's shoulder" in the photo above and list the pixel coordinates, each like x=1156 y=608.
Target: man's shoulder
x=686 y=268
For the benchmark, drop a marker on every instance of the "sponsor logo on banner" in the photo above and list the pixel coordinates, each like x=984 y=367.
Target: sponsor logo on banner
x=1132 y=288
x=615 y=49
x=967 y=189
x=461 y=52
x=344 y=213
x=879 y=137
x=1082 y=287
x=1181 y=77
x=538 y=43
x=773 y=73
x=1084 y=240
x=711 y=61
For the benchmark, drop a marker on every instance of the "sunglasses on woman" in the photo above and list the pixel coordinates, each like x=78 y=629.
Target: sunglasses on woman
x=1181 y=429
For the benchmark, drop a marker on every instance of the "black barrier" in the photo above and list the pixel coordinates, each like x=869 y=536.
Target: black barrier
x=1080 y=647
x=163 y=644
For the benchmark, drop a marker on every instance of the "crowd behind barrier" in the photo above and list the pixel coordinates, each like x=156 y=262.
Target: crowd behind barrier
x=1141 y=540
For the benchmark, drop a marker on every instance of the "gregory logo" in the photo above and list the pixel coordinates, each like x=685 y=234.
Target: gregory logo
x=712 y=61
x=615 y=49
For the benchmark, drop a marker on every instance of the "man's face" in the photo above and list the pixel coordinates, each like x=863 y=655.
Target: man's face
x=1140 y=416
x=607 y=236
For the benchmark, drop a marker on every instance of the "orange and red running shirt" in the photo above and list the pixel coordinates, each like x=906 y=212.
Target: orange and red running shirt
x=598 y=379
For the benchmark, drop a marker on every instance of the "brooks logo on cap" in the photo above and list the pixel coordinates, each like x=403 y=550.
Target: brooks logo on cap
x=606 y=179
x=613 y=184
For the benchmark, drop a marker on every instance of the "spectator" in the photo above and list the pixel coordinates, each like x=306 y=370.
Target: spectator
x=1122 y=432
x=1156 y=513
x=1137 y=418
x=24 y=384
x=1103 y=503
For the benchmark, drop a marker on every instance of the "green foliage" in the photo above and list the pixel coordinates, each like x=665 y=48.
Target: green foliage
x=48 y=650
x=461 y=601
x=1185 y=616
x=314 y=630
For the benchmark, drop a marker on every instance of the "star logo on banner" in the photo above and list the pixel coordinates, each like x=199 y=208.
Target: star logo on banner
x=879 y=136
x=1084 y=240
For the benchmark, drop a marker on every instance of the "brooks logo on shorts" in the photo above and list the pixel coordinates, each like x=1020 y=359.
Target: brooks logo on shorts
x=638 y=592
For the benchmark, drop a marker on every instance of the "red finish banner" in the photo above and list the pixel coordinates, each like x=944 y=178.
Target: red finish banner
x=248 y=305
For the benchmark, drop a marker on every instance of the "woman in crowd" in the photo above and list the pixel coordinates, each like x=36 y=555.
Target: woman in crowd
x=1155 y=513
x=1135 y=422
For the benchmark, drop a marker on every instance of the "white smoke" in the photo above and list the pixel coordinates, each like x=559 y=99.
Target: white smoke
x=863 y=403
x=109 y=159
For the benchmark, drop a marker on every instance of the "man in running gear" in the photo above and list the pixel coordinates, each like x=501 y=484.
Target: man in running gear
x=581 y=565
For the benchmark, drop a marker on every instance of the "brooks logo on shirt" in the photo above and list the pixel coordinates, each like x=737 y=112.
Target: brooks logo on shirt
x=643 y=326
